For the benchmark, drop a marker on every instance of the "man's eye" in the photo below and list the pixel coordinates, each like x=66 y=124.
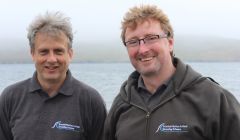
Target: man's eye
x=151 y=38
x=133 y=42
x=59 y=52
x=43 y=52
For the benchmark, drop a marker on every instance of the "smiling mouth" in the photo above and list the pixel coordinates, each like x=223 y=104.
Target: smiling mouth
x=146 y=59
x=51 y=68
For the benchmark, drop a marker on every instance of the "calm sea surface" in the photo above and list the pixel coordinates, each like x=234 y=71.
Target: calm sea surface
x=108 y=77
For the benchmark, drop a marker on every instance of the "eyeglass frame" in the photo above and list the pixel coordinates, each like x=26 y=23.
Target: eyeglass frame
x=146 y=41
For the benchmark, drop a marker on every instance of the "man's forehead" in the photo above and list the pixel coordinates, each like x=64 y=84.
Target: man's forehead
x=147 y=26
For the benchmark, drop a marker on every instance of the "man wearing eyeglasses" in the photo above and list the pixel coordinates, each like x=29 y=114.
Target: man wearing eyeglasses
x=165 y=98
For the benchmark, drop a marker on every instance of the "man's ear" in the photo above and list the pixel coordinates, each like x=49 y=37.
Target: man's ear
x=171 y=44
x=70 y=53
x=32 y=53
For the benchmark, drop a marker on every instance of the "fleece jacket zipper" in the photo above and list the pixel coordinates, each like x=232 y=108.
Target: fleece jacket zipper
x=147 y=124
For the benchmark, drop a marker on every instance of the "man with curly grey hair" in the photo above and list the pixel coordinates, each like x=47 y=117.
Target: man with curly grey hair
x=165 y=99
x=52 y=105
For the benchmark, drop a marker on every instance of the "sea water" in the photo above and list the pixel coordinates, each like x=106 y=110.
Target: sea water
x=108 y=77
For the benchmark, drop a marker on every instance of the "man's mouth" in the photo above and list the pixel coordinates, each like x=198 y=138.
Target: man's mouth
x=146 y=59
x=51 y=67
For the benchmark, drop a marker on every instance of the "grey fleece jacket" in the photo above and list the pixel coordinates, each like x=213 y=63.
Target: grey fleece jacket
x=191 y=108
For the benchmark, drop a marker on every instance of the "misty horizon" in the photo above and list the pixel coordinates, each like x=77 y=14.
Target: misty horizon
x=187 y=47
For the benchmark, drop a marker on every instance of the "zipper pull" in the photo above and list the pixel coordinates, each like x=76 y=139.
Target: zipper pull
x=147 y=125
x=148 y=115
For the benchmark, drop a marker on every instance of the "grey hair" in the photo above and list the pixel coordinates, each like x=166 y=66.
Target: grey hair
x=53 y=23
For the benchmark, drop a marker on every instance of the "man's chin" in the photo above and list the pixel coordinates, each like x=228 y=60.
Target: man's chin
x=51 y=78
x=147 y=72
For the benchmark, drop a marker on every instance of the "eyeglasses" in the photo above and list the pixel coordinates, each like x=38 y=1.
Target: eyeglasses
x=150 y=39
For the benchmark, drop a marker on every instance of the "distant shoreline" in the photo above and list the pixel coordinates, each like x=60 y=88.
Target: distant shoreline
x=189 y=61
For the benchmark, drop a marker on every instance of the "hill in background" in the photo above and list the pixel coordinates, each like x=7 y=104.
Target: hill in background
x=200 y=48
x=189 y=48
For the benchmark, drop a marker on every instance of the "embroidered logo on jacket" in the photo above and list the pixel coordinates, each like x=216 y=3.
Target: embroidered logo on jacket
x=172 y=128
x=63 y=126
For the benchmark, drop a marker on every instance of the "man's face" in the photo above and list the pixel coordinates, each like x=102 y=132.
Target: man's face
x=51 y=55
x=152 y=58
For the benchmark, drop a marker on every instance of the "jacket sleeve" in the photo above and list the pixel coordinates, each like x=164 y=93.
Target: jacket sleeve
x=116 y=110
x=110 y=124
x=5 y=131
x=229 y=117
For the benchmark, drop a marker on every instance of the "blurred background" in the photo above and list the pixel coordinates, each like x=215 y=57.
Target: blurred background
x=205 y=30
x=207 y=36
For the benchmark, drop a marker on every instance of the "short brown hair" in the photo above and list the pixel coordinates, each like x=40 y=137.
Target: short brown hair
x=142 y=13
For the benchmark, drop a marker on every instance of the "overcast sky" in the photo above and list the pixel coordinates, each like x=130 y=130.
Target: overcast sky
x=100 y=19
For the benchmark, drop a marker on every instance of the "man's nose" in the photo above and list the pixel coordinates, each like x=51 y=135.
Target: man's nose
x=142 y=47
x=52 y=57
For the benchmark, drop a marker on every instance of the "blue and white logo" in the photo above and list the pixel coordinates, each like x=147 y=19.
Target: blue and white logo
x=163 y=128
x=63 y=126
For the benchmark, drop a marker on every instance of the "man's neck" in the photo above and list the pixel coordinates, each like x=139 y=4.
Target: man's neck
x=154 y=81
x=51 y=87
